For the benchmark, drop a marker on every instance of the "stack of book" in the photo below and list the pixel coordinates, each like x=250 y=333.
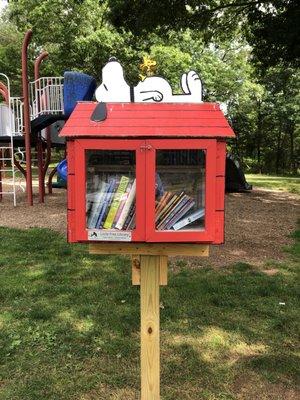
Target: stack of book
x=173 y=211
x=112 y=205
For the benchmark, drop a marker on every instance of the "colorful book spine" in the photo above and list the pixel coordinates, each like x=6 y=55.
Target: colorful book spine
x=162 y=204
x=174 y=212
x=109 y=201
x=168 y=209
x=186 y=208
x=131 y=224
x=129 y=217
x=126 y=208
x=189 y=219
x=111 y=185
x=122 y=203
x=97 y=205
x=116 y=202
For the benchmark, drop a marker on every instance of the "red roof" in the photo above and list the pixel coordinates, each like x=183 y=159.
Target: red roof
x=149 y=119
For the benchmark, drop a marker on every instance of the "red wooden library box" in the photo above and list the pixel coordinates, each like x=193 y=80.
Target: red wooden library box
x=146 y=172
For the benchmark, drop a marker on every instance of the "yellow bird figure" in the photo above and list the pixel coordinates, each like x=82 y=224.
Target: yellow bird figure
x=148 y=67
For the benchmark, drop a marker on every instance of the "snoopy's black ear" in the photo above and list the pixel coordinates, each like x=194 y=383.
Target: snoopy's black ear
x=100 y=113
x=112 y=59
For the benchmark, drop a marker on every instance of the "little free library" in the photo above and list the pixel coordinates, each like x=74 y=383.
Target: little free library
x=146 y=177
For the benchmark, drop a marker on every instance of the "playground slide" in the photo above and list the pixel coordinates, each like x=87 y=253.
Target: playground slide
x=62 y=170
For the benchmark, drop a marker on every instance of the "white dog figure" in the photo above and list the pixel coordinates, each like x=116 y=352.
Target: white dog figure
x=153 y=89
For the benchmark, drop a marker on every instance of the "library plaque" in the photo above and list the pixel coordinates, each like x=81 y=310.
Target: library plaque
x=109 y=236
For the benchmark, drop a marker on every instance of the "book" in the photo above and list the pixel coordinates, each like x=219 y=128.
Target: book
x=131 y=224
x=168 y=208
x=109 y=201
x=129 y=217
x=181 y=200
x=190 y=204
x=127 y=205
x=91 y=193
x=163 y=201
x=122 y=203
x=97 y=205
x=189 y=219
x=106 y=198
x=116 y=202
x=174 y=212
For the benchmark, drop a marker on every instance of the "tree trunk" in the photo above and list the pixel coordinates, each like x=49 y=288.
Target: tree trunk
x=258 y=135
x=293 y=167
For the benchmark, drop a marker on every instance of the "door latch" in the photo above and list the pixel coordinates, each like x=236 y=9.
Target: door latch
x=146 y=147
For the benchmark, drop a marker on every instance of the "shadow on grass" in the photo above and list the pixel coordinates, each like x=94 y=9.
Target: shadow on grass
x=70 y=325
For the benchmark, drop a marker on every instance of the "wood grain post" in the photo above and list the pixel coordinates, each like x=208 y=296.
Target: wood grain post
x=150 y=353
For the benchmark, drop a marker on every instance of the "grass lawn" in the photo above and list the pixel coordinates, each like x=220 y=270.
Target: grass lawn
x=283 y=183
x=69 y=326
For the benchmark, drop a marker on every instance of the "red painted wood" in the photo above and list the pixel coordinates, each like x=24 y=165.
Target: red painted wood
x=90 y=105
x=71 y=156
x=220 y=193
x=206 y=235
x=148 y=131
x=221 y=157
x=152 y=120
x=71 y=226
x=156 y=125
x=146 y=114
x=219 y=227
x=71 y=191
x=138 y=234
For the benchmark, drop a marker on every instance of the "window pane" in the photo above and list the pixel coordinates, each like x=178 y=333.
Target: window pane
x=110 y=189
x=180 y=190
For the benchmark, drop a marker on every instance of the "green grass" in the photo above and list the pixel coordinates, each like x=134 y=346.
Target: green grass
x=69 y=326
x=282 y=183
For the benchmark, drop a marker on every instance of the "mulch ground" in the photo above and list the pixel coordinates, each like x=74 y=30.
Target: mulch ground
x=258 y=224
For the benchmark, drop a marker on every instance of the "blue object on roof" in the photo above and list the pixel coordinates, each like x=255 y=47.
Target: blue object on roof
x=77 y=87
x=62 y=170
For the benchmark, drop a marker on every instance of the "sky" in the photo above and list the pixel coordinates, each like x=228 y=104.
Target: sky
x=2 y=4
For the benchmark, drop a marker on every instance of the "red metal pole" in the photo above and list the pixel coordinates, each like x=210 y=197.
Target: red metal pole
x=41 y=176
x=4 y=92
x=27 y=128
x=37 y=63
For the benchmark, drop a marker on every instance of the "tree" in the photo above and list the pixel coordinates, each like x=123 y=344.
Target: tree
x=272 y=27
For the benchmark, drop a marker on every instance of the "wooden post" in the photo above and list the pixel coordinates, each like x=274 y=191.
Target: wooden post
x=150 y=353
x=149 y=264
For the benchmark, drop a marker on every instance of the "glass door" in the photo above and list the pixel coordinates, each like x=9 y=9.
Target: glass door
x=113 y=191
x=180 y=198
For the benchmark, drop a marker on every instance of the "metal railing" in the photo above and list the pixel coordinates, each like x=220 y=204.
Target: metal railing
x=46 y=95
x=7 y=165
x=16 y=106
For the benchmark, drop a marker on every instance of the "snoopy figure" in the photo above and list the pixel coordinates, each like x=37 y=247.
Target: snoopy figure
x=153 y=89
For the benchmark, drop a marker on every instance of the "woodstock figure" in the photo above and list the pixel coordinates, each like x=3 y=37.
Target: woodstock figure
x=155 y=89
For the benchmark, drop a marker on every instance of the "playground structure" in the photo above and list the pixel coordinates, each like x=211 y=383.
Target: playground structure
x=31 y=122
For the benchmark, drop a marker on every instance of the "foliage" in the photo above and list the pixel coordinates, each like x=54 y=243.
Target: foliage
x=271 y=27
x=245 y=53
x=282 y=183
x=69 y=326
